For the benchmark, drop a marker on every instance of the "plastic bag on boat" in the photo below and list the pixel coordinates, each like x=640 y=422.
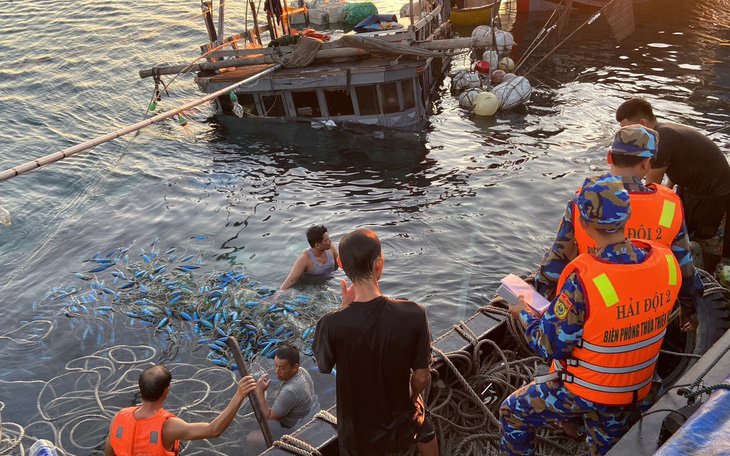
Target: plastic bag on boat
x=378 y=22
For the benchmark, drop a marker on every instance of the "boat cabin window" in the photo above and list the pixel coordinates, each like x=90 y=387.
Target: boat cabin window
x=407 y=89
x=306 y=104
x=390 y=97
x=339 y=103
x=367 y=100
x=247 y=102
x=273 y=106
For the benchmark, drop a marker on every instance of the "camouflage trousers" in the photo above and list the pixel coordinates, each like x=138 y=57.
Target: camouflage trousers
x=534 y=405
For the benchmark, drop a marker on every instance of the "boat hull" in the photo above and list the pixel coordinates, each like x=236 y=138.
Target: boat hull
x=472 y=16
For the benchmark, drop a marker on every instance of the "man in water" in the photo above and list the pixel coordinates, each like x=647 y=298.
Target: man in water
x=602 y=332
x=296 y=398
x=318 y=260
x=695 y=163
x=656 y=215
x=382 y=350
x=150 y=429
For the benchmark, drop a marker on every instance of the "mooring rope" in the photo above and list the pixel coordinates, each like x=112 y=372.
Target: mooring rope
x=326 y=416
x=296 y=446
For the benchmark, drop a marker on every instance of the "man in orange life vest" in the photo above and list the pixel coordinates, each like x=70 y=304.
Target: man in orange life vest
x=602 y=333
x=657 y=215
x=150 y=430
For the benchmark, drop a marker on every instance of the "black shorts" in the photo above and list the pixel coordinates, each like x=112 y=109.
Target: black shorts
x=425 y=434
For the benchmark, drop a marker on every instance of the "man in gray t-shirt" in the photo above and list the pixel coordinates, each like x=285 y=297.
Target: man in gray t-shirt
x=296 y=398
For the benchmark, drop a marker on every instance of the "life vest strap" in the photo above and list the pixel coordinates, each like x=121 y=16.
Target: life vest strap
x=612 y=370
x=622 y=348
x=567 y=377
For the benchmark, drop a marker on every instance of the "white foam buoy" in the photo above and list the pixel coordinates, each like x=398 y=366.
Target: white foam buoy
x=506 y=64
x=513 y=93
x=455 y=78
x=503 y=41
x=466 y=99
x=492 y=57
x=486 y=104
x=481 y=30
x=508 y=77
x=467 y=81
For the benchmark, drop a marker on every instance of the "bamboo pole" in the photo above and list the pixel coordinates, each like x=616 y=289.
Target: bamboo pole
x=51 y=158
x=252 y=397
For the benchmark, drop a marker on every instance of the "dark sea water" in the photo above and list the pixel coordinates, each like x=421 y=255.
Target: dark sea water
x=457 y=206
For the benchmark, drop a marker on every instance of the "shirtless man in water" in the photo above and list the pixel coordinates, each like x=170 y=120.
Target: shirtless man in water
x=318 y=260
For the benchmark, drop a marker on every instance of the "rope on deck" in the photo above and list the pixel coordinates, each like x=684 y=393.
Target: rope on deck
x=296 y=446
x=326 y=416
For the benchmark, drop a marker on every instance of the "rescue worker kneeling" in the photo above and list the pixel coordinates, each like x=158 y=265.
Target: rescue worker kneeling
x=602 y=332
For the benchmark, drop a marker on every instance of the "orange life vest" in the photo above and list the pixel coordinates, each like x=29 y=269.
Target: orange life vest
x=628 y=307
x=132 y=437
x=655 y=216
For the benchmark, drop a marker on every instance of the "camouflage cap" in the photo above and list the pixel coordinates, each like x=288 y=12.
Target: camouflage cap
x=603 y=203
x=636 y=140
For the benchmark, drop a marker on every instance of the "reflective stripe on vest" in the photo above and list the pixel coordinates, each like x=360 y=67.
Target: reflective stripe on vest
x=655 y=216
x=628 y=308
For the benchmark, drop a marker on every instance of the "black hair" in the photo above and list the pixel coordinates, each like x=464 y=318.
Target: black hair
x=153 y=381
x=315 y=234
x=626 y=161
x=635 y=108
x=358 y=252
x=288 y=353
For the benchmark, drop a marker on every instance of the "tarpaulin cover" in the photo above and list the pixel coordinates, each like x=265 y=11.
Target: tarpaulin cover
x=707 y=430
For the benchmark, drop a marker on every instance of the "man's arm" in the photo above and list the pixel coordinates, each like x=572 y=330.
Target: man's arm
x=261 y=386
x=692 y=288
x=558 y=331
x=296 y=271
x=108 y=450
x=322 y=351
x=562 y=252
x=334 y=255
x=419 y=381
x=655 y=175
x=178 y=429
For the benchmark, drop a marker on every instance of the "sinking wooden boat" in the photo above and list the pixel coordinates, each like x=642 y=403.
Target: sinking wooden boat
x=472 y=12
x=385 y=78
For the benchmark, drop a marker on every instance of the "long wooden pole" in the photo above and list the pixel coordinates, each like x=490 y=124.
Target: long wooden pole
x=264 y=57
x=255 y=404
x=51 y=158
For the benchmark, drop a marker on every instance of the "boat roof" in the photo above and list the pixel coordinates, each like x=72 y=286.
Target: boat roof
x=375 y=64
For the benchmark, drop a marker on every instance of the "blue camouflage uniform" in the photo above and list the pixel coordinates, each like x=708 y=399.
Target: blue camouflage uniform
x=603 y=203
x=637 y=141
x=554 y=338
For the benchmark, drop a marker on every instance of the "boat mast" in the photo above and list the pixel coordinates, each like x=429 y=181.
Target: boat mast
x=221 y=15
x=207 y=6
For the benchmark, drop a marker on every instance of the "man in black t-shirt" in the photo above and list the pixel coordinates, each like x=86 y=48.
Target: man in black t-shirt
x=696 y=164
x=382 y=351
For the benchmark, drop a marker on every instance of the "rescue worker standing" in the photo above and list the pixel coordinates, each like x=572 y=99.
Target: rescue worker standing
x=657 y=215
x=602 y=332
x=151 y=430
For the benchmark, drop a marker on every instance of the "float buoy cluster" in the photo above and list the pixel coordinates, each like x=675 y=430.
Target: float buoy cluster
x=491 y=85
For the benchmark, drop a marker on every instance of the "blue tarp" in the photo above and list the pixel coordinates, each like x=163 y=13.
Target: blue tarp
x=706 y=432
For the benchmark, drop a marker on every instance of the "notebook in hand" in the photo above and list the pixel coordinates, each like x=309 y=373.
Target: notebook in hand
x=511 y=289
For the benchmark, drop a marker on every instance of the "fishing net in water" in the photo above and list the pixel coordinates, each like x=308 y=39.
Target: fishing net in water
x=179 y=303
